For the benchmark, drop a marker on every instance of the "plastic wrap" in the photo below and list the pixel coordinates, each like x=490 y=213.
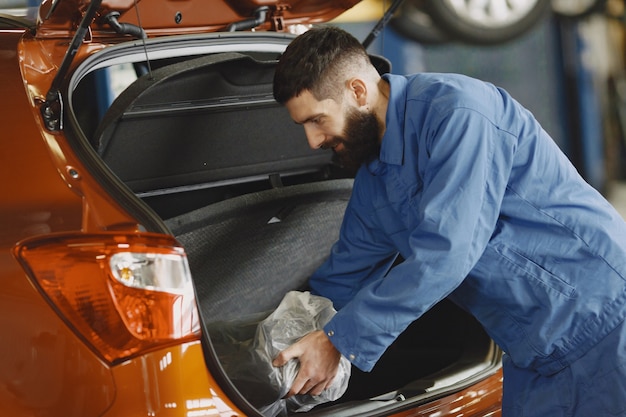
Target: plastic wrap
x=248 y=360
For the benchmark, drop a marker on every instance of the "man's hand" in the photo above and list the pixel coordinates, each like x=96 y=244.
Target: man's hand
x=319 y=361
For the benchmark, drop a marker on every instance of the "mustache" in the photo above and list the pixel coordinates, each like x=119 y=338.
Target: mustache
x=333 y=142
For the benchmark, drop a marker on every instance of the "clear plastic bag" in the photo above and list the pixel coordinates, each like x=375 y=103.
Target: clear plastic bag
x=247 y=358
x=298 y=314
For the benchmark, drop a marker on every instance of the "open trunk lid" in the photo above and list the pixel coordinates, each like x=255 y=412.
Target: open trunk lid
x=59 y=18
x=83 y=21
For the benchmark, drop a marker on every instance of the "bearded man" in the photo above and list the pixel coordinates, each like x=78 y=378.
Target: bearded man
x=461 y=182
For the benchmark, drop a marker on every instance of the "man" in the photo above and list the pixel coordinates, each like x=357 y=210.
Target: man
x=463 y=183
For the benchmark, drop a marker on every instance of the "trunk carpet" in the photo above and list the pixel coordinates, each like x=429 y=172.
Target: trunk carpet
x=245 y=253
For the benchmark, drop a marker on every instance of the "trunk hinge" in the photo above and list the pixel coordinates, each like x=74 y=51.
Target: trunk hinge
x=382 y=23
x=52 y=107
x=124 y=28
x=259 y=17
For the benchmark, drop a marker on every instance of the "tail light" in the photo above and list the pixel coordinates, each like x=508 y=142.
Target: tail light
x=123 y=294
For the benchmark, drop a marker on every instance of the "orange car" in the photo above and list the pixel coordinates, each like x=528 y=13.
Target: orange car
x=156 y=201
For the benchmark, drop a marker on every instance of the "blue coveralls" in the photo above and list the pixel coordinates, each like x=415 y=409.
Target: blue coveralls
x=486 y=210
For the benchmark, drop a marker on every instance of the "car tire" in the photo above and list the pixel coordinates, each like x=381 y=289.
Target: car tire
x=482 y=25
x=576 y=9
x=412 y=22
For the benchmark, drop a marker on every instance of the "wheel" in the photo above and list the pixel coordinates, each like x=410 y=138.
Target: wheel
x=577 y=8
x=486 y=21
x=412 y=22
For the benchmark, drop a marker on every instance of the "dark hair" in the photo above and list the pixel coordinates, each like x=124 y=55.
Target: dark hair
x=314 y=61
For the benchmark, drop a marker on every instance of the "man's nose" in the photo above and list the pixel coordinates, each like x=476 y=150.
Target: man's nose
x=314 y=136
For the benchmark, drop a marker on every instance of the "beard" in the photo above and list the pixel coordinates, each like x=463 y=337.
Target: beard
x=360 y=140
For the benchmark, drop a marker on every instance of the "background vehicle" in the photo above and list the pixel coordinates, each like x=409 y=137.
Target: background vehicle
x=157 y=195
x=482 y=23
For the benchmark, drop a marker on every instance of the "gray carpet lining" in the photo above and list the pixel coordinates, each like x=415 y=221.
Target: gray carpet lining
x=247 y=252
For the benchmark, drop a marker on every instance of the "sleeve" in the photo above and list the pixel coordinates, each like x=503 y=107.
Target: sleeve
x=362 y=254
x=466 y=165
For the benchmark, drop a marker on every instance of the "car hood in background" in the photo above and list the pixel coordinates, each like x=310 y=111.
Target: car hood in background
x=60 y=18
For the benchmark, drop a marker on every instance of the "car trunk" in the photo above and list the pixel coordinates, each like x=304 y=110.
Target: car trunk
x=247 y=252
x=200 y=142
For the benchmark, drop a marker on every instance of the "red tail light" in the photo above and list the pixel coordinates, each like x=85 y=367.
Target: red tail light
x=123 y=294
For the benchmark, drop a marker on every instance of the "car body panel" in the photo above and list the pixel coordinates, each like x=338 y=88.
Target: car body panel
x=80 y=201
x=44 y=368
x=161 y=17
x=42 y=346
x=28 y=208
x=169 y=382
x=481 y=399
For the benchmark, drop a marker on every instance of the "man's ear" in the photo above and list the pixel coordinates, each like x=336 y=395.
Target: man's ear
x=358 y=91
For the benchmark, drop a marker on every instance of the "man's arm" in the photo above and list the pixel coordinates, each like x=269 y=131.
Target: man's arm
x=466 y=161
x=361 y=255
